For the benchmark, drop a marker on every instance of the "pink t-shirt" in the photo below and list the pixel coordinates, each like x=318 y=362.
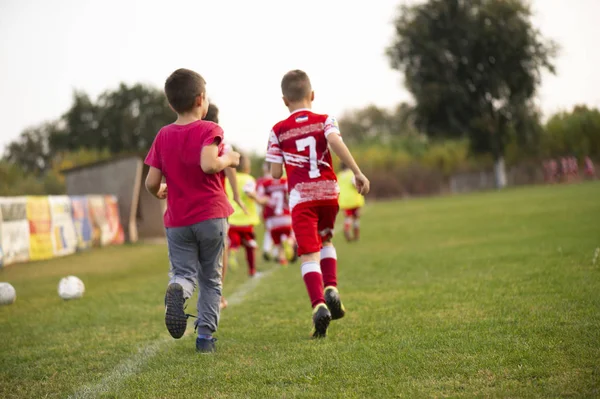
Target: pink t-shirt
x=193 y=196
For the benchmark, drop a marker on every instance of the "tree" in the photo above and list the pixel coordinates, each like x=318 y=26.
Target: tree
x=573 y=133
x=473 y=67
x=31 y=151
x=377 y=125
x=124 y=120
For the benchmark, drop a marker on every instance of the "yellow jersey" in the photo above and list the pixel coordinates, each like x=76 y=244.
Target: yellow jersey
x=246 y=184
x=349 y=196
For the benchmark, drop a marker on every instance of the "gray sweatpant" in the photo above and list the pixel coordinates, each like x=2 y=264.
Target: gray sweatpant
x=196 y=258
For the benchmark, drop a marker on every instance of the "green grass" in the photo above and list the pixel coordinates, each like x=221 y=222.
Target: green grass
x=484 y=295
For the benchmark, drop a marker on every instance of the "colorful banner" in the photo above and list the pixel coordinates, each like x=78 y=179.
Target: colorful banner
x=1 y=253
x=14 y=230
x=64 y=237
x=114 y=222
x=40 y=228
x=101 y=231
x=36 y=228
x=82 y=222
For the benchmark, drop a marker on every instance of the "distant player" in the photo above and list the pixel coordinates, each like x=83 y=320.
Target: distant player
x=589 y=169
x=350 y=202
x=212 y=115
x=267 y=247
x=278 y=218
x=241 y=224
x=302 y=143
x=189 y=153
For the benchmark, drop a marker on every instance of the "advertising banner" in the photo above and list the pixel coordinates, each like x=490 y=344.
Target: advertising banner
x=82 y=222
x=14 y=230
x=100 y=229
x=40 y=228
x=64 y=237
x=114 y=221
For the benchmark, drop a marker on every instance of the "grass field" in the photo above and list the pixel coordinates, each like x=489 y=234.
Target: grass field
x=483 y=295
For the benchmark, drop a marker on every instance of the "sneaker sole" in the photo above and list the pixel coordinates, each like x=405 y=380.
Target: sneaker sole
x=321 y=324
x=335 y=306
x=175 y=317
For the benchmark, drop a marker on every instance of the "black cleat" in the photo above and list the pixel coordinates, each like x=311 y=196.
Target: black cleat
x=321 y=319
x=204 y=345
x=175 y=317
x=266 y=257
x=334 y=303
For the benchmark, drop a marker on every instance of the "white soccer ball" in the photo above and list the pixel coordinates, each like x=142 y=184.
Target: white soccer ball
x=8 y=294
x=70 y=287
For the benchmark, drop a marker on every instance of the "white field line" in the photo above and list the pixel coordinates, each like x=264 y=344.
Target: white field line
x=130 y=366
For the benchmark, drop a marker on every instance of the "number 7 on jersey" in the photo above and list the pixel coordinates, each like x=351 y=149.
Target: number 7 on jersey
x=311 y=143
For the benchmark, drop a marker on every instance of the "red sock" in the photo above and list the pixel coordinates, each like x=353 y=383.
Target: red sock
x=356 y=229
x=251 y=258
x=329 y=266
x=313 y=279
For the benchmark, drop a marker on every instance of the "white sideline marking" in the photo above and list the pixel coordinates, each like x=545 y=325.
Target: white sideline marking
x=131 y=366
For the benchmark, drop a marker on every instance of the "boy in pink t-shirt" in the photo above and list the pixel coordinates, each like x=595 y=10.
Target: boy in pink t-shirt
x=190 y=154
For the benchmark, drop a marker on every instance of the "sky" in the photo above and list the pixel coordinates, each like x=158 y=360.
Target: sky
x=48 y=49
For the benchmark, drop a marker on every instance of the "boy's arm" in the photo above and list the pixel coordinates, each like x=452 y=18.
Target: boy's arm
x=231 y=175
x=276 y=170
x=257 y=198
x=212 y=163
x=275 y=156
x=154 y=183
x=340 y=149
x=250 y=190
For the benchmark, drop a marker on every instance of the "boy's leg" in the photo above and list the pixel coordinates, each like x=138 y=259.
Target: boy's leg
x=327 y=217
x=234 y=239
x=276 y=237
x=267 y=242
x=223 y=304
x=249 y=243
x=356 y=224
x=348 y=224
x=183 y=258
x=210 y=235
x=305 y=224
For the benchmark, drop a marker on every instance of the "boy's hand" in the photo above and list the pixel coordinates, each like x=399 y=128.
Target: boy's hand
x=233 y=158
x=162 y=192
x=238 y=201
x=362 y=184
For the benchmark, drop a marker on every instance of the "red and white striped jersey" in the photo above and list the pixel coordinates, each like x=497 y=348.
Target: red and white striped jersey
x=300 y=142
x=277 y=192
x=277 y=212
x=260 y=190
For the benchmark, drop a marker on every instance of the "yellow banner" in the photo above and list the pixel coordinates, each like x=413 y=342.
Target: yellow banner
x=40 y=228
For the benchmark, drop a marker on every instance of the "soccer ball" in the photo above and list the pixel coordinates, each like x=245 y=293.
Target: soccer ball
x=70 y=287
x=7 y=294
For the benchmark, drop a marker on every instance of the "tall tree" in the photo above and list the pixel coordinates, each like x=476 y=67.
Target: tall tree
x=374 y=124
x=123 y=120
x=31 y=151
x=573 y=133
x=473 y=67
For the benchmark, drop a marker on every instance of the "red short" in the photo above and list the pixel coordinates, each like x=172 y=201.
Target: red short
x=354 y=212
x=241 y=235
x=279 y=232
x=312 y=225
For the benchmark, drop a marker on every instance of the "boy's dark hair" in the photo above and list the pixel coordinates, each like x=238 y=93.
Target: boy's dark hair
x=182 y=88
x=212 y=114
x=295 y=85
